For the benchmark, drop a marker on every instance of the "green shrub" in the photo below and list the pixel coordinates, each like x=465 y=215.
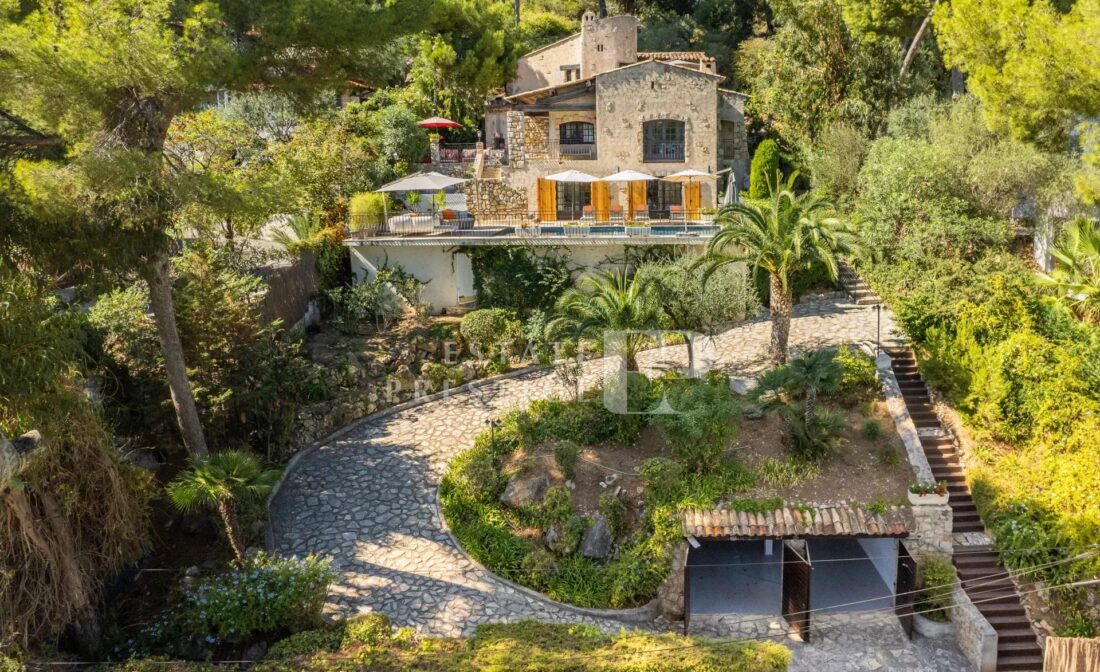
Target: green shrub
x=366 y=208
x=373 y=629
x=477 y=474
x=703 y=422
x=566 y=453
x=557 y=505
x=937 y=588
x=762 y=172
x=306 y=643
x=489 y=331
x=614 y=512
x=872 y=430
x=267 y=595
x=859 y=375
x=247 y=377
x=661 y=476
x=515 y=278
x=540 y=568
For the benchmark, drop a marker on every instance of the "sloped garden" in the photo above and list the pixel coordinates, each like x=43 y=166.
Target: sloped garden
x=583 y=504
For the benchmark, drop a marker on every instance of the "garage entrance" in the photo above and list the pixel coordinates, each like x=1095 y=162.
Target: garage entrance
x=794 y=563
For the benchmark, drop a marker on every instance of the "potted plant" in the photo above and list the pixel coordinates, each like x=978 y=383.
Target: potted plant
x=578 y=228
x=637 y=229
x=928 y=494
x=932 y=606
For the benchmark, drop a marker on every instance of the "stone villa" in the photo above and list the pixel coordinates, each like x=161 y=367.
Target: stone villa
x=592 y=102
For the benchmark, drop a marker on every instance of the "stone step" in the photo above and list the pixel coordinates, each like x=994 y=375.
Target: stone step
x=1020 y=663
x=1008 y=623
x=1007 y=635
x=999 y=608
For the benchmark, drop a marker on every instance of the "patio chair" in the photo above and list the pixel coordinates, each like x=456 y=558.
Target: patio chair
x=676 y=213
x=617 y=214
x=641 y=215
x=588 y=214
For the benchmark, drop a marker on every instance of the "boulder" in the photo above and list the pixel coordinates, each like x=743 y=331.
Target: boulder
x=597 y=539
x=469 y=370
x=752 y=412
x=142 y=459
x=525 y=489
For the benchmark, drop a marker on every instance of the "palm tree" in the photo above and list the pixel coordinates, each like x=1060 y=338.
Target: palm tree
x=1076 y=276
x=224 y=481
x=298 y=229
x=609 y=302
x=814 y=372
x=785 y=239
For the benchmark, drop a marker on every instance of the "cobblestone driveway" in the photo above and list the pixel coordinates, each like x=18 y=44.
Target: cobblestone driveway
x=368 y=498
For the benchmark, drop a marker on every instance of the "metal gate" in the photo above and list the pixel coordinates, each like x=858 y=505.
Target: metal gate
x=797 y=571
x=903 y=589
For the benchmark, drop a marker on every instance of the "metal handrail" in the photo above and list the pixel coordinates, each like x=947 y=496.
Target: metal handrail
x=656 y=152
x=591 y=223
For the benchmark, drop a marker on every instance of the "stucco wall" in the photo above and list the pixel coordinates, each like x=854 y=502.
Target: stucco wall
x=883 y=553
x=449 y=275
x=542 y=67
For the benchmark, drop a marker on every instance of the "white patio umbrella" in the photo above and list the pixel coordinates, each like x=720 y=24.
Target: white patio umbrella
x=572 y=176
x=688 y=176
x=627 y=176
x=423 y=181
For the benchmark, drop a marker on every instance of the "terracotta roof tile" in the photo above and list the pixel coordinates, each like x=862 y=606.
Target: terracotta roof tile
x=790 y=521
x=675 y=56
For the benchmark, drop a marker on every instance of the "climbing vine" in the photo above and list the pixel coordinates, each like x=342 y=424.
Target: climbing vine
x=516 y=278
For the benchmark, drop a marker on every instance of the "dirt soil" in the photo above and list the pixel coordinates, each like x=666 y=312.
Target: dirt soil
x=860 y=469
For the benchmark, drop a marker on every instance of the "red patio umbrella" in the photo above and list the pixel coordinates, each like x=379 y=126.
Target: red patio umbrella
x=438 y=122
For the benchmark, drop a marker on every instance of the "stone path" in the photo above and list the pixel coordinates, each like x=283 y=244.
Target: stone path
x=368 y=498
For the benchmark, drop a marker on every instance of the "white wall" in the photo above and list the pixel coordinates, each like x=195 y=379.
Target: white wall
x=883 y=553
x=448 y=275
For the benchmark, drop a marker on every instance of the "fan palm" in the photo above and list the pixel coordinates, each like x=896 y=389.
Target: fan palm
x=610 y=304
x=1076 y=276
x=785 y=239
x=814 y=372
x=299 y=229
x=224 y=481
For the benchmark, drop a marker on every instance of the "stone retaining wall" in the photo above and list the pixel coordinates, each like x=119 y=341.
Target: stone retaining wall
x=494 y=198
x=976 y=637
x=895 y=404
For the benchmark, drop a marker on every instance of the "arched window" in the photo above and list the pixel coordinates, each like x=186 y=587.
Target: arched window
x=663 y=140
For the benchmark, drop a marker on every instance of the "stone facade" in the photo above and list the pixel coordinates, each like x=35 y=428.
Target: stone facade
x=670 y=596
x=494 y=198
x=536 y=138
x=931 y=531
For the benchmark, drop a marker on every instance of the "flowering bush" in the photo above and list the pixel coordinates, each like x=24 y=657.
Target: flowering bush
x=922 y=489
x=265 y=595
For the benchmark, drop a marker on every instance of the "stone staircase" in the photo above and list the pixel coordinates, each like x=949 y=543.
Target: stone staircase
x=979 y=568
x=856 y=288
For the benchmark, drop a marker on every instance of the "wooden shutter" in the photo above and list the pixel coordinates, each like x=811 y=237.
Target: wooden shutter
x=635 y=198
x=547 y=200
x=903 y=591
x=796 y=590
x=691 y=200
x=601 y=201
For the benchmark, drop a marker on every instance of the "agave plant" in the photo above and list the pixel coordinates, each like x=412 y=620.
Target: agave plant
x=785 y=239
x=1076 y=276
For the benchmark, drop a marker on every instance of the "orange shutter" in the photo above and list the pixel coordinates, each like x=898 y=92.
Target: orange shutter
x=547 y=200
x=635 y=198
x=691 y=200
x=601 y=201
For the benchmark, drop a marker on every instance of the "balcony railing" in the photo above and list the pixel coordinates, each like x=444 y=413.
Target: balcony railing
x=558 y=151
x=521 y=225
x=658 y=152
x=464 y=152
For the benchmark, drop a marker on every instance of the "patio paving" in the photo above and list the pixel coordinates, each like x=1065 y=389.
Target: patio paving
x=368 y=500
